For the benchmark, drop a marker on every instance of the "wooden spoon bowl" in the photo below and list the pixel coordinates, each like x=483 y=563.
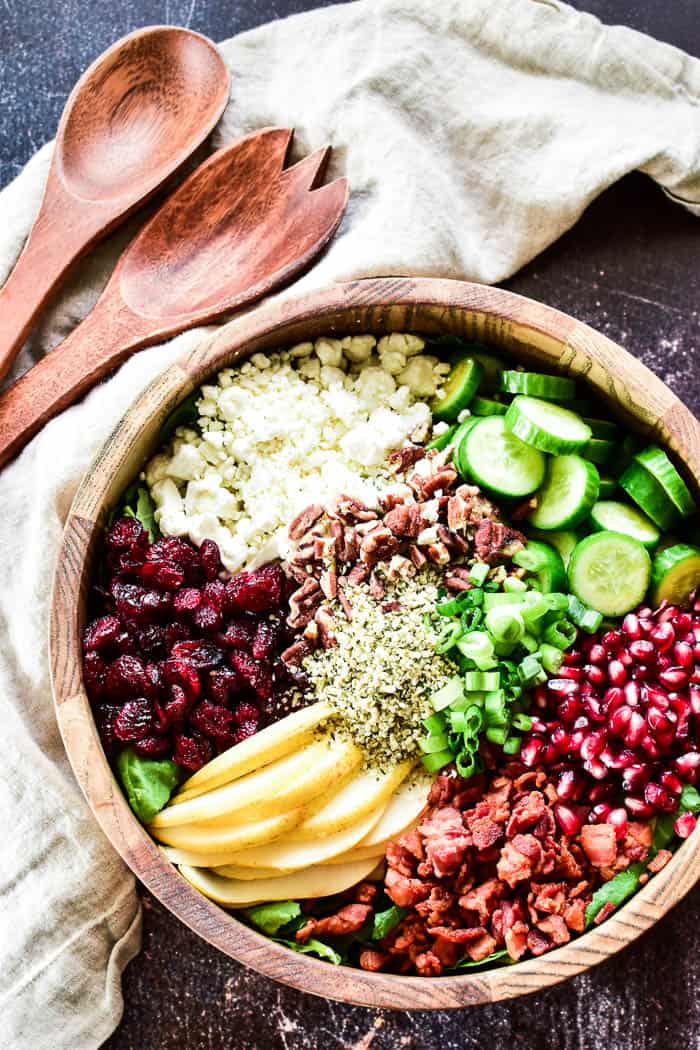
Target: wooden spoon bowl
x=526 y=332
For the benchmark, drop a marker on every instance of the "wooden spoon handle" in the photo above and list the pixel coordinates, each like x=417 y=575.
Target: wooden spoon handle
x=104 y=339
x=52 y=247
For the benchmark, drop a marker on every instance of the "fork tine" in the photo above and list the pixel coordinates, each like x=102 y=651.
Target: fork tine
x=309 y=172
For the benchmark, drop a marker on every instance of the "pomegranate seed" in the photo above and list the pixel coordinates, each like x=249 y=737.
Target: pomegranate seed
x=562 y=687
x=573 y=658
x=574 y=674
x=625 y=657
x=639 y=809
x=657 y=697
x=650 y=747
x=620 y=720
x=685 y=825
x=642 y=672
x=560 y=739
x=635 y=778
x=612 y=640
x=593 y=708
x=617 y=673
x=569 y=709
x=597 y=653
x=566 y=784
x=694 y=696
x=619 y=760
x=569 y=821
x=671 y=782
x=593 y=745
x=613 y=699
x=596 y=768
x=600 y=813
x=674 y=677
x=682 y=622
x=642 y=651
x=600 y=791
x=618 y=819
x=658 y=797
x=630 y=625
x=663 y=636
x=636 y=729
x=530 y=750
x=594 y=674
x=659 y=722
x=538 y=726
x=549 y=755
x=687 y=764
x=683 y=655
x=631 y=693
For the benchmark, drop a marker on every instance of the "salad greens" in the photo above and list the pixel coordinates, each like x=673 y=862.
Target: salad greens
x=386 y=921
x=270 y=918
x=148 y=782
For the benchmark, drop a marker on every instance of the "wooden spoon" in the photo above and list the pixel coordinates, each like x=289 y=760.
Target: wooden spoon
x=132 y=119
x=239 y=226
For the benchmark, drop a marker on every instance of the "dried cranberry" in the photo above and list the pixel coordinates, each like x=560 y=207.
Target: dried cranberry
x=126 y=533
x=246 y=712
x=222 y=683
x=244 y=730
x=183 y=673
x=174 y=633
x=258 y=677
x=210 y=558
x=191 y=752
x=176 y=550
x=267 y=636
x=202 y=655
x=152 y=746
x=206 y=619
x=105 y=715
x=214 y=593
x=238 y=634
x=95 y=673
x=213 y=720
x=101 y=633
x=258 y=591
x=162 y=574
x=151 y=640
x=187 y=600
x=175 y=709
x=134 y=721
x=126 y=677
x=155 y=679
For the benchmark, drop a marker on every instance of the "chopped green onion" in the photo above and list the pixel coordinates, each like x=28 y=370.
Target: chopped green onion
x=495 y=708
x=522 y=722
x=505 y=624
x=512 y=746
x=437 y=760
x=477 y=646
x=481 y=681
x=430 y=744
x=552 y=657
x=556 y=601
x=451 y=608
x=531 y=672
x=497 y=734
x=529 y=642
x=478 y=573
x=534 y=609
x=470 y=619
x=434 y=724
x=466 y=763
x=514 y=599
x=449 y=633
x=561 y=634
x=513 y=585
x=587 y=619
x=452 y=690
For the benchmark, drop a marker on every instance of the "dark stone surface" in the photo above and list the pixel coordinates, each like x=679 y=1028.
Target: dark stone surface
x=631 y=269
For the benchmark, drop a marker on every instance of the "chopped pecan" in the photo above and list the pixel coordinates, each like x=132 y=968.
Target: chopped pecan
x=406 y=520
x=358 y=574
x=438 y=553
x=401 y=459
x=467 y=506
x=351 y=509
x=304 y=520
x=329 y=583
x=296 y=652
x=495 y=541
x=417 y=557
x=326 y=625
x=304 y=602
x=376 y=587
x=378 y=545
x=345 y=604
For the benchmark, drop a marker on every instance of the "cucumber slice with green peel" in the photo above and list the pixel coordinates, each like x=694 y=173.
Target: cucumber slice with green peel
x=627 y=450
x=570 y=489
x=549 y=388
x=460 y=387
x=547 y=426
x=644 y=490
x=486 y=406
x=545 y=564
x=614 y=516
x=442 y=440
x=675 y=574
x=492 y=368
x=602 y=428
x=499 y=461
x=608 y=487
x=599 y=450
x=657 y=463
x=458 y=442
x=610 y=572
x=563 y=541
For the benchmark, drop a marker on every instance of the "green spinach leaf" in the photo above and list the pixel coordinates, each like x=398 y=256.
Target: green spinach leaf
x=148 y=782
x=270 y=918
x=469 y=964
x=690 y=800
x=183 y=415
x=386 y=921
x=313 y=947
x=617 y=890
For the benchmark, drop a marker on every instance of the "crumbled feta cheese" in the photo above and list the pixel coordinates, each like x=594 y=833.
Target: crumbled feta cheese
x=329 y=352
x=358 y=348
x=406 y=344
x=419 y=377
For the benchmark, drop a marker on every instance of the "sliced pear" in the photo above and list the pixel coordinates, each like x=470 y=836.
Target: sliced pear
x=285 y=784
x=402 y=812
x=204 y=840
x=214 y=860
x=358 y=853
x=286 y=855
x=363 y=794
x=313 y=882
x=289 y=734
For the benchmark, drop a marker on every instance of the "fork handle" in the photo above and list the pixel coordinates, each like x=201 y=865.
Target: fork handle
x=102 y=342
x=53 y=245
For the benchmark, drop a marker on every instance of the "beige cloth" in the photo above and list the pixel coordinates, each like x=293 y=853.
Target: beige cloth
x=474 y=132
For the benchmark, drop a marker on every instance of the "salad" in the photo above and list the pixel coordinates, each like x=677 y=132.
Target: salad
x=395 y=651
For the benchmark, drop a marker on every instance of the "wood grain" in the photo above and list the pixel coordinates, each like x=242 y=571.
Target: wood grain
x=239 y=226
x=522 y=329
x=133 y=118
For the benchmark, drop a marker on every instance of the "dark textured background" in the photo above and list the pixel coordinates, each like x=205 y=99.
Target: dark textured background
x=631 y=268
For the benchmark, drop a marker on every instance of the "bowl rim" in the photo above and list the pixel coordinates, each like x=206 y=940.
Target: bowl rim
x=383 y=304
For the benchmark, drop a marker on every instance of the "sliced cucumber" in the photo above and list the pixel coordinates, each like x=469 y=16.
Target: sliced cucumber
x=492 y=367
x=602 y=428
x=443 y=440
x=610 y=572
x=599 y=450
x=628 y=449
x=486 y=406
x=550 y=388
x=613 y=516
x=569 y=491
x=458 y=442
x=499 y=461
x=548 y=427
x=643 y=488
x=608 y=487
x=545 y=564
x=460 y=387
x=657 y=463
x=675 y=574
x=563 y=541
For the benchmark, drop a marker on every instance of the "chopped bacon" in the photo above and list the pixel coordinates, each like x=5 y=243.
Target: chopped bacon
x=484 y=899
x=446 y=840
x=372 y=960
x=485 y=831
x=599 y=844
x=513 y=866
x=349 y=919
x=555 y=928
x=526 y=813
x=660 y=860
x=405 y=892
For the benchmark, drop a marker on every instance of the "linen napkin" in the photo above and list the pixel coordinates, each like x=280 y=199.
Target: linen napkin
x=473 y=132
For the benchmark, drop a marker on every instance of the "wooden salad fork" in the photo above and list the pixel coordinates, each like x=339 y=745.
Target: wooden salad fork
x=239 y=226
x=131 y=121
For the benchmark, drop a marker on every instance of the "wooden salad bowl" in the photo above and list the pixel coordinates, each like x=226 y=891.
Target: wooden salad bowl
x=528 y=331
